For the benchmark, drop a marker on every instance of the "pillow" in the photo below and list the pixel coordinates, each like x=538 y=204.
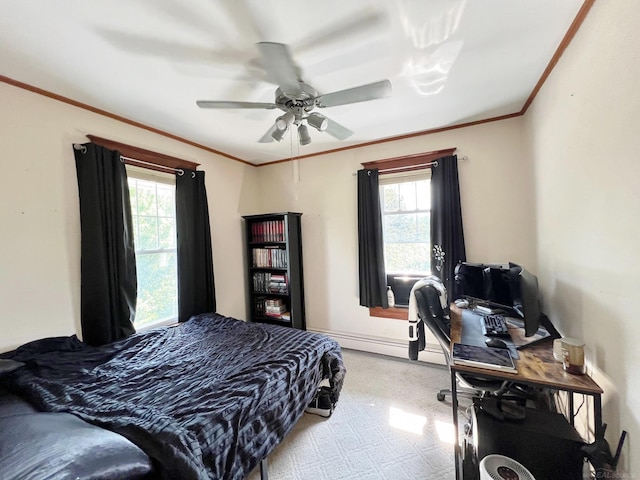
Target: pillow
x=59 y=445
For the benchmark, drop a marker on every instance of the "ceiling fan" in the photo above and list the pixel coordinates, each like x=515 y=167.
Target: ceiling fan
x=298 y=100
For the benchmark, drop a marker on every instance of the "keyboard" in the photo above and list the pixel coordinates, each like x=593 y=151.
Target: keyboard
x=494 y=325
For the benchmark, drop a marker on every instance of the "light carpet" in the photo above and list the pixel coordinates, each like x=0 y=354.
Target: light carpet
x=387 y=425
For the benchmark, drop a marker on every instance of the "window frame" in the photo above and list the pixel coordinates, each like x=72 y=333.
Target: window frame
x=149 y=161
x=165 y=178
x=398 y=165
x=399 y=280
x=396 y=179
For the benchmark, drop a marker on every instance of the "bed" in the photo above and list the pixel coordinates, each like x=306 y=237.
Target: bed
x=208 y=399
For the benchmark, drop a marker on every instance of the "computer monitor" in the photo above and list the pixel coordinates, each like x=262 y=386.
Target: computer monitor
x=525 y=301
x=509 y=287
x=470 y=280
x=497 y=286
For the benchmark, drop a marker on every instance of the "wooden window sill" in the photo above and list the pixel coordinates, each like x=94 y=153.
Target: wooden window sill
x=393 y=312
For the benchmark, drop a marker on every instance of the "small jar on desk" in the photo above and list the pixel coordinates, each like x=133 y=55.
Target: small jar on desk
x=573 y=356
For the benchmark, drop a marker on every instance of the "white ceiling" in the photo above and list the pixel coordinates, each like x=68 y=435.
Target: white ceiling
x=449 y=61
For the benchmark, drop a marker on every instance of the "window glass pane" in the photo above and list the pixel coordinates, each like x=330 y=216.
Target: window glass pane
x=406 y=235
x=407 y=257
x=392 y=228
x=408 y=196
x=390 y=198
x=147 y=233
x=167 y=233
x=133 y=196
x=146 y=198
x=153 y=215
x=157 y=287
x=423 y=194
x=166 y=200
x=423 y=227
x=401 y=228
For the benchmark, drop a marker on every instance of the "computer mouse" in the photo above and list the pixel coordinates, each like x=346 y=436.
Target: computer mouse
x=495 y=343
x=462 y=303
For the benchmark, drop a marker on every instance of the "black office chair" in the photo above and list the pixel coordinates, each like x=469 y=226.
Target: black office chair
x=430 y=310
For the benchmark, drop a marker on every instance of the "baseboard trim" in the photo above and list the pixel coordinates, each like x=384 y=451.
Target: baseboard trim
x=384 y=346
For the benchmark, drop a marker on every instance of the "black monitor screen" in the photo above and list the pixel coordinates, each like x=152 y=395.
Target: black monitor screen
x=470 y=280
x=512 y=288
x=526 y=299
x=497 y=286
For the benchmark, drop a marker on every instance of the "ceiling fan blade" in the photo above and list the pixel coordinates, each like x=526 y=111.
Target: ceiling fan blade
x=243 y=20
x=338 y=131
x=176 y=52
x=267 y=138
x=362 y=93
x=227 y=104
x=343 y=32
x=280 y=66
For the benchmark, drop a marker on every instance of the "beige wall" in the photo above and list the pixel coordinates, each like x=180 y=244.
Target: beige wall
x=496 y=204
x=582 y=134
x=39 y=213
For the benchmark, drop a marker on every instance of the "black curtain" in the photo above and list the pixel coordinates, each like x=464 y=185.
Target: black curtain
x=447 y=236
x=196 y=288
x=108 y=286
x=373 y=280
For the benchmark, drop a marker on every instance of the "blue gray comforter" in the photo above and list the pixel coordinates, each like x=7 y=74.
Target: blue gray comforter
x=209 y=398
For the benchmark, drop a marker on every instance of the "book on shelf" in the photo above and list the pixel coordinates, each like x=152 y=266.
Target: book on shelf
x=483 y=357
x=278 y=283
x=266 y=282
x=259 y=306
x=275 y=311
x=268 y=231
x=269 y=257
x=273 y=302
x=270 y=307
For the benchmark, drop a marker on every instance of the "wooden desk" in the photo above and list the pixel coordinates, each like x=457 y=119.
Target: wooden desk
x=537 y=367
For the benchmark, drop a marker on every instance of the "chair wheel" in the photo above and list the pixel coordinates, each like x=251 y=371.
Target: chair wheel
x=440 y=397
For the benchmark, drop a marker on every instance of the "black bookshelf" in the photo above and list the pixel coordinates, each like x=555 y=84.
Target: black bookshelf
x=274 y=269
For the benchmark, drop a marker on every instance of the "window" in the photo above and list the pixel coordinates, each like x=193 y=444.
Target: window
x=153 y=208
x=406 y=206
x=405 y=198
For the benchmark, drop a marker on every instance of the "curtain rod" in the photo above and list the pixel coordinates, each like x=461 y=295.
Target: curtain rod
x=140 y=163
x=413 y=167
x=136 y=162
x=416 y=166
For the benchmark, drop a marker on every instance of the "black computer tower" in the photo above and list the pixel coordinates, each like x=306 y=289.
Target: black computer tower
x=544 y=442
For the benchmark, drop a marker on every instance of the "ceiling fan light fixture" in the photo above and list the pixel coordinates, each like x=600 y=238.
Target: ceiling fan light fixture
x=303 y=135
x=295 y=99
x=278 y=134
x=283 y=122
x=318 y=122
